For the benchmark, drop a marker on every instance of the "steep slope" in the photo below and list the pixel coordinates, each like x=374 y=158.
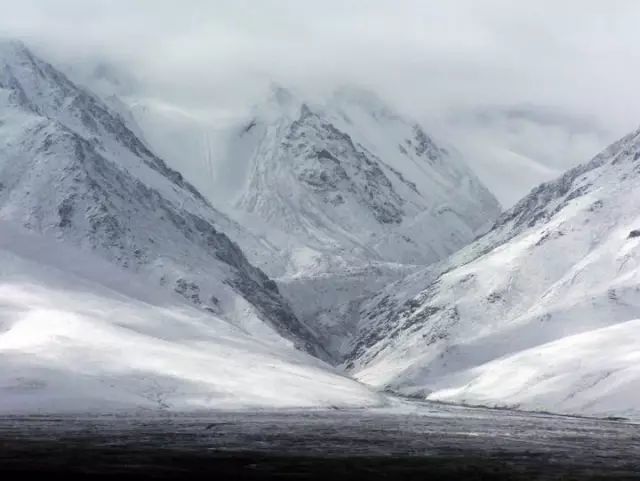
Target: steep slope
x=70 y=167
x=78 y=334
x=354 y=196
x=392 y=166
x=351 y=180
x=563 y=262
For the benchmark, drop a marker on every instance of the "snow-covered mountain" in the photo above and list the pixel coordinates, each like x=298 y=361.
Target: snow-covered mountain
x=539 y=313
x=71 y=167
x=351 y=194
x=352 y=180
x=352 y=239
x=331 y=181
x=78 y=334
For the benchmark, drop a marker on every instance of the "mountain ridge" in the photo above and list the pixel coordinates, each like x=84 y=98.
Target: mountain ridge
x=112 y=195
x=562 y=262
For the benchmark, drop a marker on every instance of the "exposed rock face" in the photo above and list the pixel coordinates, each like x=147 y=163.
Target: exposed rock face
x=330 y=170
x=351 y=179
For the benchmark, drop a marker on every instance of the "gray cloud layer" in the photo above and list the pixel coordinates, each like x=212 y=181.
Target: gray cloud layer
x=431 y=58
x=577 y=54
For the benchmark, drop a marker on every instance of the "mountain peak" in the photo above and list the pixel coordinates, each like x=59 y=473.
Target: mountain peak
x=12 y=47
x=349 y=175
x=280 y=102
x=281 y=95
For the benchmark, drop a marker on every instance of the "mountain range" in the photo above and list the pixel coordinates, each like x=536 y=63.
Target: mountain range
x=333 y=232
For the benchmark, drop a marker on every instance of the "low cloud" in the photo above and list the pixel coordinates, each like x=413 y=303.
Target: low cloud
x=434 y=60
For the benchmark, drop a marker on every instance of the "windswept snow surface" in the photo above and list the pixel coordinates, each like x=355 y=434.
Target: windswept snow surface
x=518 y=316
x=79 y=334
x=596 y=372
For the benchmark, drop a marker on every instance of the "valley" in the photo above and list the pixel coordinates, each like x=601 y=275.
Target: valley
x=351 y=256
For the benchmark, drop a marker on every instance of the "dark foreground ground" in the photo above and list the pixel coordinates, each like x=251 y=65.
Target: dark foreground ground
x=408 y=442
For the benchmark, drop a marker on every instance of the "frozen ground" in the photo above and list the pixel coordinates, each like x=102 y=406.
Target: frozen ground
x=406 y=440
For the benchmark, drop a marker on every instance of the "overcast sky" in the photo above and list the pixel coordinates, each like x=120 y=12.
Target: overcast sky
x=579 y=57
x=582 y=54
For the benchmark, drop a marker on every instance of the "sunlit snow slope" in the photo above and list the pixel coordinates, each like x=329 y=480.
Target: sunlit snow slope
x=595 y=372
x=539 y=313
x=78 y=334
